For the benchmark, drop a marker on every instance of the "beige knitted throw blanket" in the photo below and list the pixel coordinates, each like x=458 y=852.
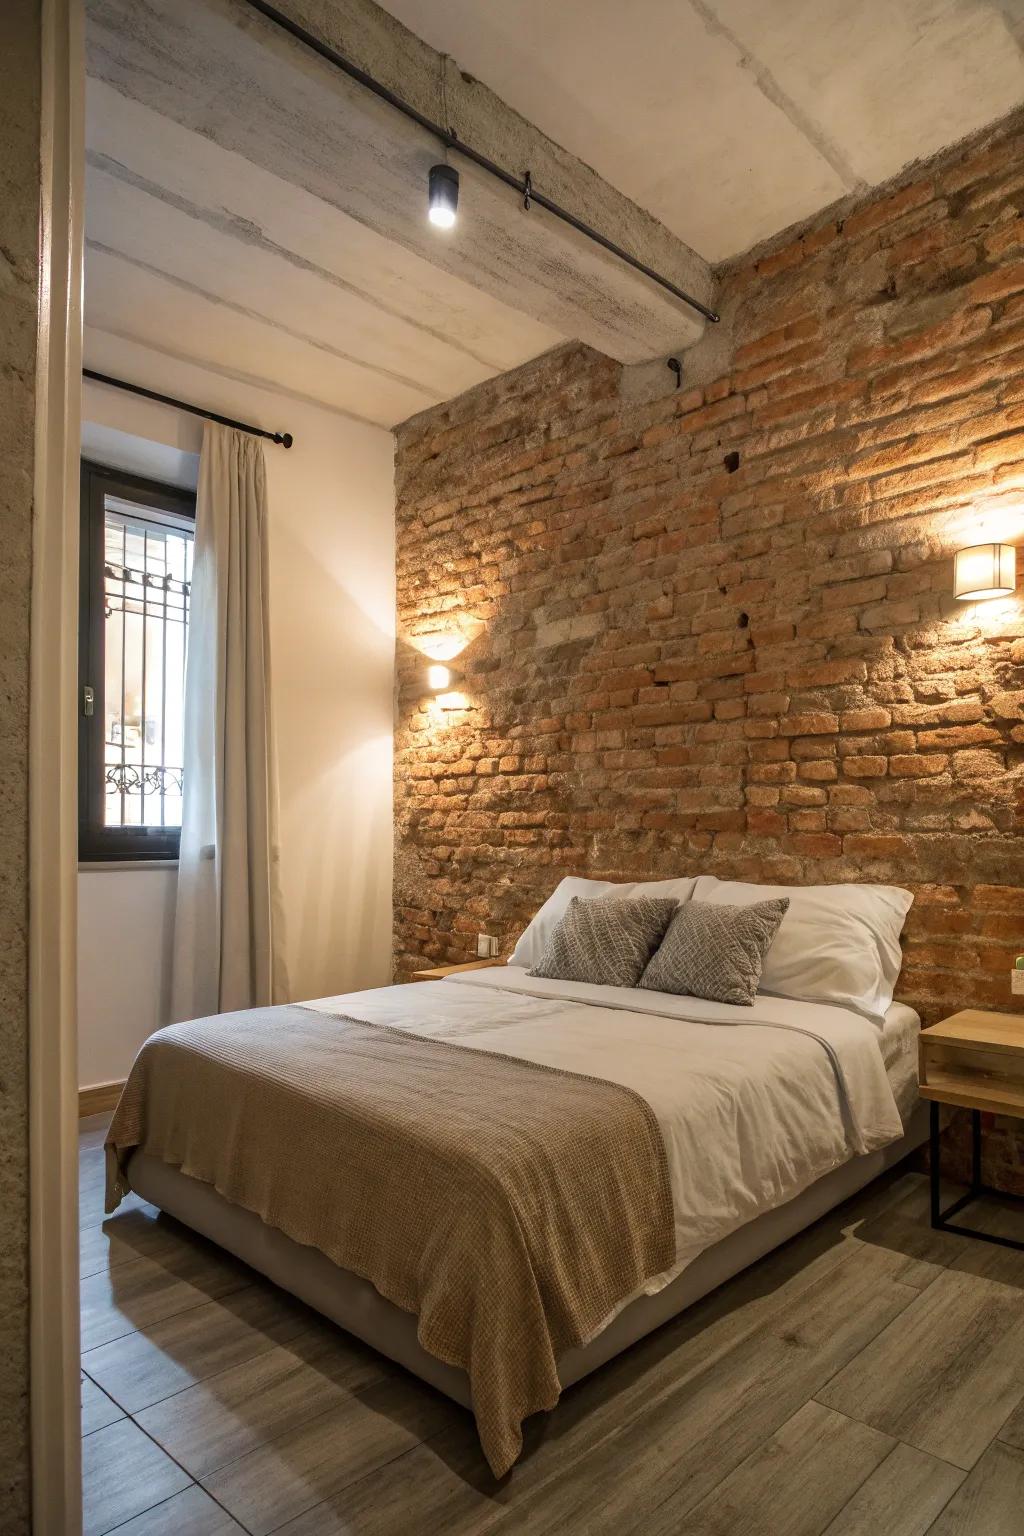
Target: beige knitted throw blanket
x=512 y=1207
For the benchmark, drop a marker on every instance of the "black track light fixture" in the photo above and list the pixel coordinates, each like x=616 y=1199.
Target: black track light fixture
x=443 y=199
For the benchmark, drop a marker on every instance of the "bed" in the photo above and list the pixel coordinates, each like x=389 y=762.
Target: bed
x=591 y=1159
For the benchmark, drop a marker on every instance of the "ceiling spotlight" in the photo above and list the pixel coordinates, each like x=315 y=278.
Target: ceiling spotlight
x=444 y=195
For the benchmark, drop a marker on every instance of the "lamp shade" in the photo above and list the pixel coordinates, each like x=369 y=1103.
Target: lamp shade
x=983 y=571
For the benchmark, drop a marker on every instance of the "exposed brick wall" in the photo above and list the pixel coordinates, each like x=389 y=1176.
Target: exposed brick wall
x=679 y=665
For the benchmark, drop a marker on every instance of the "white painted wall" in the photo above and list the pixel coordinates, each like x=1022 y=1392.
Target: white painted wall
x=332 y=579
x=125 y=922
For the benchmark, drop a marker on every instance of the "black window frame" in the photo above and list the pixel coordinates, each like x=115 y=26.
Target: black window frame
x=98 y=843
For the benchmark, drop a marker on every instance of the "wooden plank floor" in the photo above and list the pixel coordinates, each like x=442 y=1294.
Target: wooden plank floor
x=867 y=1378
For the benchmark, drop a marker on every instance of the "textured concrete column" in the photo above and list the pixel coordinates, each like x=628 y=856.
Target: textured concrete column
x=19 y=256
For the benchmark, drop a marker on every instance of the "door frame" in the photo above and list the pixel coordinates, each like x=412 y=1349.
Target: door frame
x=53 y=770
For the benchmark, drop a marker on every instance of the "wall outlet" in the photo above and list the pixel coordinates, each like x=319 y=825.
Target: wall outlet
x=487 y=947
x=1017 y=983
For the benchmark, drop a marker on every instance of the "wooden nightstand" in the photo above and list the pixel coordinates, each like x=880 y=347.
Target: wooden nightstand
x=974 y=1060
x=439 y=972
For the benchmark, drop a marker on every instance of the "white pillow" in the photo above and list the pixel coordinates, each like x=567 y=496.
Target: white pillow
x=533 y=940
x=836 y=943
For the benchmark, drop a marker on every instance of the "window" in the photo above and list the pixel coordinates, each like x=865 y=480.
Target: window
x=136 y=576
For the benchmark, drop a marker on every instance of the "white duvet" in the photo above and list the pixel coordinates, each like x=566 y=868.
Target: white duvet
x=754 y=1104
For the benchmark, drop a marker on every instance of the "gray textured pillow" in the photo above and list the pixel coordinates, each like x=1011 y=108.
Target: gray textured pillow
x=715 y=952
x=606 y=942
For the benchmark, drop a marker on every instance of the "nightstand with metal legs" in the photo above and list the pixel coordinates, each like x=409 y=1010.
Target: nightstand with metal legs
x=972 y=1060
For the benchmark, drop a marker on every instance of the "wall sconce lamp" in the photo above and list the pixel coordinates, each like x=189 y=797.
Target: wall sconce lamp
x=983 y=571
x=440 y=678
x=441 y=681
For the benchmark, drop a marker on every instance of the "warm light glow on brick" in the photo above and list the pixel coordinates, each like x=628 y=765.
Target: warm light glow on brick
x=441 y=647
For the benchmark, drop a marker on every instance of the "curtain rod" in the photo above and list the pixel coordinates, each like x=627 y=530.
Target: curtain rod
x=450 y=139
x=284 y=438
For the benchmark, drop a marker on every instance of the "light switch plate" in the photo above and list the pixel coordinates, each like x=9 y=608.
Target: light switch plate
x=487 y=946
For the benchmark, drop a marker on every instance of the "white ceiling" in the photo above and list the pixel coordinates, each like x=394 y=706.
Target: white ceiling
x=729 y=120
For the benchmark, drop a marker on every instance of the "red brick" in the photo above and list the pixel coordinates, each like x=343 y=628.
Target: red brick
x=817 y=845
x=808 y=725
x=765 y=823
x=999 y=898
x=818 y=769
x=917 y=765
x=956 y=736
x=884 y=211
x=997 y=284
x=877 y=846
x=870 y=719
x=865 y=767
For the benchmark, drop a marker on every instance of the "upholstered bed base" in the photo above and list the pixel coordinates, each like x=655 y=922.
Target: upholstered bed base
x=354 y=1305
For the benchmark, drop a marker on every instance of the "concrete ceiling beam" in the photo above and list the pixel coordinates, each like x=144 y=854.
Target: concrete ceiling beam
x=221 y=69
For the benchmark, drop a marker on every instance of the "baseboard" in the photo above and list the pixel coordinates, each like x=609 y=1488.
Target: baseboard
x=98 y=1099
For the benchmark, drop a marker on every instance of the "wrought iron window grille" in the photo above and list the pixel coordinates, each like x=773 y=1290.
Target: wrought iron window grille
x=135 y=592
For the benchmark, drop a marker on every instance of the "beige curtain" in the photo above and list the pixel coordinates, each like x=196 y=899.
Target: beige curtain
x=227 y=932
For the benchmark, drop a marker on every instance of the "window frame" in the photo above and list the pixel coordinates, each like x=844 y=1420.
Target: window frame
x=98 y=843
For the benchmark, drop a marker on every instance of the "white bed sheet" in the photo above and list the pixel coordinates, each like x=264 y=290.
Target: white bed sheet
x=900 y=1030
x=754 y=1104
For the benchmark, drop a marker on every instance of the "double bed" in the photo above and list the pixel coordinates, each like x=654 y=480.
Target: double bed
x=501 y=1180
